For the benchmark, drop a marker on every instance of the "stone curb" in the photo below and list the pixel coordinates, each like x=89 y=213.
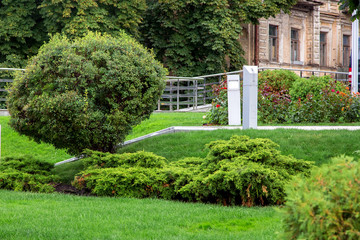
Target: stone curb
x=212 y=128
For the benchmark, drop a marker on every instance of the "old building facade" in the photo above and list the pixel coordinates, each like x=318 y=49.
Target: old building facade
x=315 y=36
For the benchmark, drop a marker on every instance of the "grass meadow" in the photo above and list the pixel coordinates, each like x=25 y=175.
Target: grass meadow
x=27 y=215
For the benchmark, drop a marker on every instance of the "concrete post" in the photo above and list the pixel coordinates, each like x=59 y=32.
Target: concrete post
x=250 y=97
x=355 y=55
x=234 y=106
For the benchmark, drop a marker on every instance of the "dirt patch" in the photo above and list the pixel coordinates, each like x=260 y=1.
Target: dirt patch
x=69 y=189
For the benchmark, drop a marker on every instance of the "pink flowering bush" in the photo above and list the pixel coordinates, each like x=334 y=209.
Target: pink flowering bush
x=218 y=114
x=285 y=97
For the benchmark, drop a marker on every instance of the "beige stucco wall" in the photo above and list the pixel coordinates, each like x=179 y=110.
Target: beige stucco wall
x=310 y=19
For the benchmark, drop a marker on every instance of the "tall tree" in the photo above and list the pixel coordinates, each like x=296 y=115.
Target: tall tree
x=351 y=6
x=21 y=31
x=194 y=37
x=76 y=17
x=25 y=24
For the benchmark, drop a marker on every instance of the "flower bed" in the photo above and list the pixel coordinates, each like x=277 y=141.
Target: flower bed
x=284 y=97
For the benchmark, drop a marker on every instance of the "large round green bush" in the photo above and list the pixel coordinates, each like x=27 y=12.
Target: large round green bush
x=326 y=205
x=86 y=93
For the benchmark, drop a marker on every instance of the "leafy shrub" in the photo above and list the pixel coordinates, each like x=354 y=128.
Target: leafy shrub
x=86 y=93
x=328 y=105
x=352 y=112
x=218 y=114
x=240 y=171
x=314 y=86
x=244 y=171
x=285 y=97
x=274 y=99
x=277 y=80
x=326 y=205
x=26 y=174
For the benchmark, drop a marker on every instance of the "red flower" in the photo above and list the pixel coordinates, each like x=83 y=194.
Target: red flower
x=337 y=92
x=333 y=90
x=217 y=105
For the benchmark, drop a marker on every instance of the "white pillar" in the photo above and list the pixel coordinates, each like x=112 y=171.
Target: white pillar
x=354 y=55
x=250 y=95
x=234 y=106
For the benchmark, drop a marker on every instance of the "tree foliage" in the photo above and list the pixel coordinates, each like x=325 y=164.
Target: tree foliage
x=194 y=37
x=86 y=93
x=21 y=31
x=76 y=17
x=26 y=24
x=191 y=37
x=351 y=6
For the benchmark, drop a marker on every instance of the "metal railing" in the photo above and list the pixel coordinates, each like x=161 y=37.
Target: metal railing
x=191 y=92
x=200 y=91
x=5 y=80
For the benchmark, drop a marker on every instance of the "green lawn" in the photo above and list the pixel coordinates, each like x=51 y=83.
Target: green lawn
x=15 y=145
x=317 y=146
x=159 y=121
x=55 y=216
x=12 y=144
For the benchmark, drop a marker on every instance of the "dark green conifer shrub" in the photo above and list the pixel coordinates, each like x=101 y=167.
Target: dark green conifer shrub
x=86 y=93
x=244 y=171
x=240 y=171
x=96 y=159
x=325 y=205
x=26 y=174
x=137 y=174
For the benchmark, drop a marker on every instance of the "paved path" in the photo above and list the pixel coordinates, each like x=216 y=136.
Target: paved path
x=212 y=128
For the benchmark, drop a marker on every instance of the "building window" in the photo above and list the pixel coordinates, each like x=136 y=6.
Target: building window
x=295 y=45
x=346 y=50
x=273 y=43
x=322 y=49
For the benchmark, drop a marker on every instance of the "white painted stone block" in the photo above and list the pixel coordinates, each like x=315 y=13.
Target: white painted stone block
x=234 y=105
x=250 y=96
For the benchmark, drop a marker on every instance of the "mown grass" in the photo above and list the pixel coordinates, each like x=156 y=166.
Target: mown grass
x=317 y=146
x=15 y=145
x=56 y=216
x=12 y=144
x=159 y=121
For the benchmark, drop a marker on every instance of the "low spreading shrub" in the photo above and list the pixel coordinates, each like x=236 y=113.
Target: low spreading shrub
x=130 y=174
x=244 y=171
x=139 y=159
x=26 y=174
x=240 y=171
x=326 y=205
